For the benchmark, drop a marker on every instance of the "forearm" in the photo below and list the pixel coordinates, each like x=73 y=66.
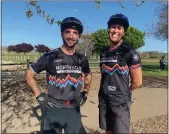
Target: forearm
x=34 y=86
x=136 y=78
x=87 y=81
x=134 y=86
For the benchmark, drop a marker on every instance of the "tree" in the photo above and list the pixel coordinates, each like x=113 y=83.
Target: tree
x=23 y=48
x=159 y=28
x=41 y=48
x=133 y=36
x=101 y=39
x=85 y=45
x=11 y=48
x=51 y=20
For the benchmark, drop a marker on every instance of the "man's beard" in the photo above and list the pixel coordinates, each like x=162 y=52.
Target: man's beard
x=64 y=41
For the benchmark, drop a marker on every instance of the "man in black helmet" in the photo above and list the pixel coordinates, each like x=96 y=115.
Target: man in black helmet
x=67 y=70
x=118 y=62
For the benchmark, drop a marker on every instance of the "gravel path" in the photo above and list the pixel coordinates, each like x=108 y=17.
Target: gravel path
x=155 y=124
x=149 y=111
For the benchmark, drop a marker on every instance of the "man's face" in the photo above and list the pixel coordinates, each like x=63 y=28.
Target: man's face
x=70 y=36
x=116 y=32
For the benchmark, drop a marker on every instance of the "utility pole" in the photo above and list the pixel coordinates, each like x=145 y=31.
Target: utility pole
x=74 y=10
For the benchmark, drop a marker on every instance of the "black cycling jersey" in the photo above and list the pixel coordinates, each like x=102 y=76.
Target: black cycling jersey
x=64 y=73
x=115 y=65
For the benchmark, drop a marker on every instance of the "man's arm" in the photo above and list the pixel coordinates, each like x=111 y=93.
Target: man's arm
x=136 y=78
x=30 y=78
x=87 y=81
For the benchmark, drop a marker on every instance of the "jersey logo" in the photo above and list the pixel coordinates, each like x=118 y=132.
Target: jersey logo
x=112 y=88
x=135 y=57
x=102 y=61
x=58 y=60
x=68 y=69
x=108 y=59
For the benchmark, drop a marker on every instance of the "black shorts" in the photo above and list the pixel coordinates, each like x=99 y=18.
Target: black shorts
x=162 y=67
x=114 y=118
x=58 y=119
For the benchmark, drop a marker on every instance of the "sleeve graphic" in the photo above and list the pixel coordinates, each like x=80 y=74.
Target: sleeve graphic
x=39 y=65
x=133 y=59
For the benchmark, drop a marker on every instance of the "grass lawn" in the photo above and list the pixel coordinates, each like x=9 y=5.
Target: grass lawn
x=152 y=69
x=149 y=67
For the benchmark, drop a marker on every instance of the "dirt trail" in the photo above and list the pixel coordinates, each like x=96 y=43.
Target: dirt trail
x=149 y=101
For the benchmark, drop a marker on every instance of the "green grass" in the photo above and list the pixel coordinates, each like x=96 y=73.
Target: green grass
x=149 y=67
x=155 y=73
x=152 y=69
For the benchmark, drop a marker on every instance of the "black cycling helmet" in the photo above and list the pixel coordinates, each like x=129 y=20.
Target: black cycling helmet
x=71 y=22
x=118 y=19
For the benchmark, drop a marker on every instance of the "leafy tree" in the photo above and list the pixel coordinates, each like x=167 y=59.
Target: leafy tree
x=85 y=44
x=159 y=28
x=133 y=37
x=23 y=48
x=11 y=48
x=41 y=48
x=101 y=39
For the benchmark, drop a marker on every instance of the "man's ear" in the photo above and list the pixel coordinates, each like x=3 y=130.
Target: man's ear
x=79 y=36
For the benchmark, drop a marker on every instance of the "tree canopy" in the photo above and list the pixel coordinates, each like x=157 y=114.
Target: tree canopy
x=133 y=37
x=41 y=48
x=101 y=40
x=21 y=48
x=159 y=28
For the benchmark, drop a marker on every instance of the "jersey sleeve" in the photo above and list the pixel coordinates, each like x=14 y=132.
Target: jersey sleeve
x=39 y=65
x=102 y=53
x=85 y=66
x=133 y=59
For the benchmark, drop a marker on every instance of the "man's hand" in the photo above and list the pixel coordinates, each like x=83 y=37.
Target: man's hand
x=45 y=101
x=83 y=97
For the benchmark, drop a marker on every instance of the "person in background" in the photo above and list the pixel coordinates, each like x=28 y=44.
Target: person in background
x=162 y=63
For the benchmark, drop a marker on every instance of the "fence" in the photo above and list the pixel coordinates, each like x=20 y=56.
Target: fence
x=22 y=59
x=19 y=58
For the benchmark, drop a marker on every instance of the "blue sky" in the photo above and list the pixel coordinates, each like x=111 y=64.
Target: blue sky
x=17 y=28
